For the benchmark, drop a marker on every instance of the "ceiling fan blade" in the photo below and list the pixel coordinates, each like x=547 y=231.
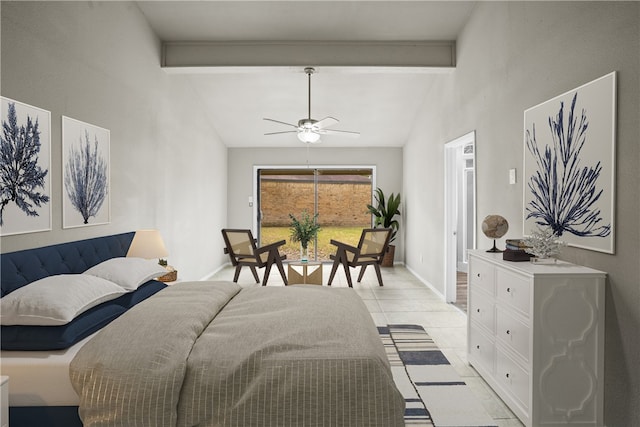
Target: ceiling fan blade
x=278 y=133
x=326 y=122
x=339 y=132
x=283 y=123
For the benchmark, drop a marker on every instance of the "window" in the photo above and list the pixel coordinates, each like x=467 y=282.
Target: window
x=338 y=195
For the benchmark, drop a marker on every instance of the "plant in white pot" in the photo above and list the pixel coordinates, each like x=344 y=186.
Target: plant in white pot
x=384 y=213
x=304 y=230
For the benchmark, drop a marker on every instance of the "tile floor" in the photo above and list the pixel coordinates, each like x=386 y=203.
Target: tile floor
x=404 y=299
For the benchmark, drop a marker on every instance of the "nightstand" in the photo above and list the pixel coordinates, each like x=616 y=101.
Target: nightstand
x=4 y=401
x=171 y=276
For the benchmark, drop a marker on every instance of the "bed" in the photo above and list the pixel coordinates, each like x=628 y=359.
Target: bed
x=200 y=353
x=41 y=393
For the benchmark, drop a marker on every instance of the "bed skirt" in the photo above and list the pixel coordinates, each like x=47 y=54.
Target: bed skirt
x=40 y=416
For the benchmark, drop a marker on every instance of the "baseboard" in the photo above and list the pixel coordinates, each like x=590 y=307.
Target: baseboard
x=426 y=283
x=214 y=272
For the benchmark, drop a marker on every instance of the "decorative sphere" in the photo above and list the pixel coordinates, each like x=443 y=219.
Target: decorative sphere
x=495 y=226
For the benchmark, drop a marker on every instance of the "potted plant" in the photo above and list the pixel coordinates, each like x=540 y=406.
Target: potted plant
x=384 y=213
x=304 y=230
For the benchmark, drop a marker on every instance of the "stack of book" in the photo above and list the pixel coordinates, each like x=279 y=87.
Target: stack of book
x=515 y=250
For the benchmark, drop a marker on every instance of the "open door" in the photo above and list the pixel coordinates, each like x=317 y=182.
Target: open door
x=460 y=212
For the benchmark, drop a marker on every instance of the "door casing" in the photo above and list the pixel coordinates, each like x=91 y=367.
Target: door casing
x=454 y=172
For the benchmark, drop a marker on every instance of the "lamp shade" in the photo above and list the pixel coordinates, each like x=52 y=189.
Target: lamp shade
x=147 y=244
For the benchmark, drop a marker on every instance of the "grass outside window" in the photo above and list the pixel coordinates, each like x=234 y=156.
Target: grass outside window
x=349 y=235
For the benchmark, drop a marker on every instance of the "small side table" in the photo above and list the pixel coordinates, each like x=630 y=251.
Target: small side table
x=171 y=276
x=305 y=273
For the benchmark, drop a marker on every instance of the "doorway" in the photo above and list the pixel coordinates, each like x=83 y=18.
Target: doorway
x=338 y=195
x=460 y=215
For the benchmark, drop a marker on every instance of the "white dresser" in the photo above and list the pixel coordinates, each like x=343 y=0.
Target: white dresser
x=536 y=335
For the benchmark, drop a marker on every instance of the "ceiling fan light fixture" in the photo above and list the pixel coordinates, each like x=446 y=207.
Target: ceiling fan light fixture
x=308 y=129
x=308 y=136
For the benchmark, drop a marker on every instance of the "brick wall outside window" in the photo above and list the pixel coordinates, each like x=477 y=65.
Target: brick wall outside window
x=339 y=203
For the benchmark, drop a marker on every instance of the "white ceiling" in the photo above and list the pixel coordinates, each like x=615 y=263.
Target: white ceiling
x=380 y=104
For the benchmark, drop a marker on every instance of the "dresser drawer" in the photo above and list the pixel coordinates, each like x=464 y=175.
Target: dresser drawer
x=514 y=290
x=513 y=333
x=482 y=310
x=482 y=274
x=481 y=350
x=513 y=378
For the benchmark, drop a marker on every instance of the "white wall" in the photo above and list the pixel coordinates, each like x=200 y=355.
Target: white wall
x=512 y=56
x=98 y=62
x=388 y=162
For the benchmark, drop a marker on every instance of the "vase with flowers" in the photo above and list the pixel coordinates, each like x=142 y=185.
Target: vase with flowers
x=304 y=230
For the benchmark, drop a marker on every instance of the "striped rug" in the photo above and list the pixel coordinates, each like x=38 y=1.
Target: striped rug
x=434 y=392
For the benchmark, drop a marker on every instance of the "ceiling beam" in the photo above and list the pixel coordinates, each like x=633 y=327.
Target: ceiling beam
x=342 y=56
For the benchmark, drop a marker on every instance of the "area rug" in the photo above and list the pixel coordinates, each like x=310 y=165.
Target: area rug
x=434 y=392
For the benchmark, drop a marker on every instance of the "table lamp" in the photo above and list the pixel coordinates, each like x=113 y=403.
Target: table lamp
x=148 y=244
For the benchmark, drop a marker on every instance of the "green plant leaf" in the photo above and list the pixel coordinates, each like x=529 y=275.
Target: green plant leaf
x=305 y=229
x=384 y=212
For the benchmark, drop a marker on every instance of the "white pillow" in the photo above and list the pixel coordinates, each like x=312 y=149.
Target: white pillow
x=129 y=273
x=55 y=300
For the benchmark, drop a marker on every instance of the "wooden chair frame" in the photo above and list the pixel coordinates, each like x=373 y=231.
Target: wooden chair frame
x=351 y=256
x=264 y=256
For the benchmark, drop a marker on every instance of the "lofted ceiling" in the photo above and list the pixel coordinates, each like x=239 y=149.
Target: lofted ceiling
x=379 y=101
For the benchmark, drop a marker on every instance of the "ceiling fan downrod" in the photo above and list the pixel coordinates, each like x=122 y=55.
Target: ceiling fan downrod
x=309 y=71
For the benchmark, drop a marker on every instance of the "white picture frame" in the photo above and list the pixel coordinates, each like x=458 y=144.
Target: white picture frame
x=25 y=198
x=569 y=165
x=85 y=196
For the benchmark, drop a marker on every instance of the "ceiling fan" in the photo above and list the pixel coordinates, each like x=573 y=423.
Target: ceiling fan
x=310 y=130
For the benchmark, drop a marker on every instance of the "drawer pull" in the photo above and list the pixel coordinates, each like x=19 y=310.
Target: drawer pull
x=478 y=310
x=478 y=347
x=508 y=332
x=508 y=289
x=507 y=375
x=478 y=274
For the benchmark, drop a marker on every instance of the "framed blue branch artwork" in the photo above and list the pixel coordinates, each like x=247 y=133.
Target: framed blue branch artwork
x=569 y=165
x=85 y=174
x=25 y=168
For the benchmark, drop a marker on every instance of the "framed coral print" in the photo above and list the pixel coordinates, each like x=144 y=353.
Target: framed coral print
x=25 y=168
x=569 y=165
x=85 y=174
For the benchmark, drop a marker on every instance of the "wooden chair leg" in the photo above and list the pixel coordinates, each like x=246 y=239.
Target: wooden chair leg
x=362 y=269
x=267 y=270
x=347 y=272
x=255 y=273
x=378 y=273
x=280 y=268
x=236 y=275
x=334 y=267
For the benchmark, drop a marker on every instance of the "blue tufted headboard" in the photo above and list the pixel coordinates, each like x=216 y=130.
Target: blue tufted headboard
x=23 y=267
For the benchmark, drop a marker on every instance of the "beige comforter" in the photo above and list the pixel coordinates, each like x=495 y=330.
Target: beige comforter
x=213 y=354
